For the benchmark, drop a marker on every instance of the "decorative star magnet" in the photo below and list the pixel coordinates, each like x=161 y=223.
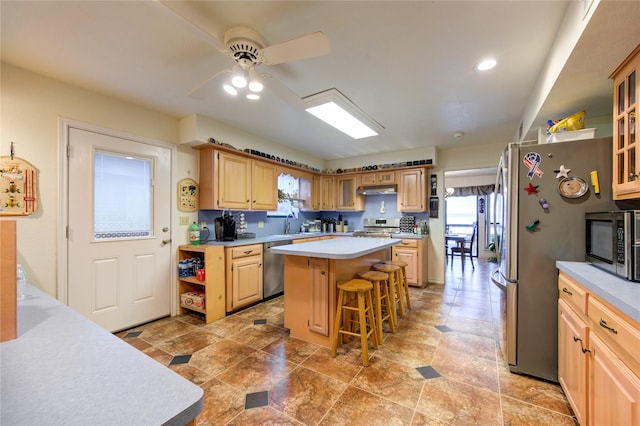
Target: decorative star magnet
x=531 y=189
x=562 y=172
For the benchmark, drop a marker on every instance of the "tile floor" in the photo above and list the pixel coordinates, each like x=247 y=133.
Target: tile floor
x=441 y=367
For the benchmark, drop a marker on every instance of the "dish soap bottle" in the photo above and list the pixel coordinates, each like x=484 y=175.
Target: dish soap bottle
x=194 y=234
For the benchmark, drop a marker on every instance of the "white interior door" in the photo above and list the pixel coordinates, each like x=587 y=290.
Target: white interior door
x=119 y=259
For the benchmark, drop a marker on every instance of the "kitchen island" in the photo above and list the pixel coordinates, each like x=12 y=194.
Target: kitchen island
x=64 y=369
x=311 y=274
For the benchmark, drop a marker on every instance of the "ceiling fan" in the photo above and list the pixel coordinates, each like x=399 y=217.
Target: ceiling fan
x=248 y=49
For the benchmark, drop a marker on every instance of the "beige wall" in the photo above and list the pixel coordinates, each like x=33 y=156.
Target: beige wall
x=31 y=108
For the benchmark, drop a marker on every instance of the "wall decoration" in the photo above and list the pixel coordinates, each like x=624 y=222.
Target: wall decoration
x=434 y=185
x=433 y=207
x=18 y=186
x=188 y=195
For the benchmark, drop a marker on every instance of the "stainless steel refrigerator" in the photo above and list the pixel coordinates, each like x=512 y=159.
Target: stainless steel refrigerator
x=540 y=219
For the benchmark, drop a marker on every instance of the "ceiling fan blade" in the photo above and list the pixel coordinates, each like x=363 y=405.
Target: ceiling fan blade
x=308 y=46
x=209 y=86
x=279 y=89
x=190 y=19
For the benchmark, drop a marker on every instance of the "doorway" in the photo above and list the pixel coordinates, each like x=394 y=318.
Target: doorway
x=117 y=270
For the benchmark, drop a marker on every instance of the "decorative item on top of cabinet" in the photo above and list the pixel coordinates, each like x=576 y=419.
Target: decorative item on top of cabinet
x=626 y=149
x=412 y=190
x=211 y=284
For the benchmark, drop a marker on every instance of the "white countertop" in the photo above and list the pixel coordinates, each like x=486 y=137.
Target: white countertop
x=622 y=294
x=340 y=248
x=63 y=369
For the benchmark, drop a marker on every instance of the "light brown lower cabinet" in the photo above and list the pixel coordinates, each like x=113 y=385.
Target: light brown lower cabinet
x=243 y=276
x=414 y=253
x=598 y=357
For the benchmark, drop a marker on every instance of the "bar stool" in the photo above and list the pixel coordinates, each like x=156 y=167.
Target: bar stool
x=364 y=308
x=380 y=297
x=403 y=279
x=395 y=294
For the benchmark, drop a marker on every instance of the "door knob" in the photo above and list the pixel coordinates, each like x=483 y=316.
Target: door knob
x=165 y=242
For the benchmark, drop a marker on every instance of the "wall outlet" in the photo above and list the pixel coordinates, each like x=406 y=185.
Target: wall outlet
x=260 y=224
x=184 y=220
x=203 y=224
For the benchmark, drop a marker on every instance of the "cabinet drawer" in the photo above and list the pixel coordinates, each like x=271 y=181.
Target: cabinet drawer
x=244 y=251
x=572 y=293
x=616 y=330
x=408 y=244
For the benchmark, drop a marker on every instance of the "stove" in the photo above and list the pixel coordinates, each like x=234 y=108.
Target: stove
x=378 y=228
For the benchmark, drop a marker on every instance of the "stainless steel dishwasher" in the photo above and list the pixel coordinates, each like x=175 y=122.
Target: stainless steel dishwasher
x=273 y=272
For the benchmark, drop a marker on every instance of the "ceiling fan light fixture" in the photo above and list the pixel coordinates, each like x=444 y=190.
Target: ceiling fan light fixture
x=238 y=77
x=230 y=90
x=253 y=96
x=255 y=84
x=338 y=111
x=486 y=64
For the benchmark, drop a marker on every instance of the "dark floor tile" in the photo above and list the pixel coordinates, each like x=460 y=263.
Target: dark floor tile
x=256 y=399
x=180 y=359
x=428 y=372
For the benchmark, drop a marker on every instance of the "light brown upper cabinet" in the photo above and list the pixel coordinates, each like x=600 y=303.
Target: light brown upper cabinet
x=412 y=193
x=231 y=181
x=346 y=197
x=378 y=178
x=626 y=154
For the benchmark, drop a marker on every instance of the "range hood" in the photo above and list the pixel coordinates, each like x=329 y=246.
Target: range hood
x=377 y=189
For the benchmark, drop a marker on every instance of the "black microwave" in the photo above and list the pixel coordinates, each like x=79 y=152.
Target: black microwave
x=612 y=242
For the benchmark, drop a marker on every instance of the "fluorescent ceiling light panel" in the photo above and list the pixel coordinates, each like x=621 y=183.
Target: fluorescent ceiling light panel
x=337 y=110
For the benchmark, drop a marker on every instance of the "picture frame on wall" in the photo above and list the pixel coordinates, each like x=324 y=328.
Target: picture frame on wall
x=434 y=185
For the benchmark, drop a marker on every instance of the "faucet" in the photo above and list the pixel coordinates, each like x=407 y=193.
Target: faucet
x=287 y=223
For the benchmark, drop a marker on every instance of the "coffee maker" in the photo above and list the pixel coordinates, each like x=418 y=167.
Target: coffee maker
x=225 y=227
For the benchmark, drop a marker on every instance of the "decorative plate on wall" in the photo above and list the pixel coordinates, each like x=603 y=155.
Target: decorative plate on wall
x=188 y=195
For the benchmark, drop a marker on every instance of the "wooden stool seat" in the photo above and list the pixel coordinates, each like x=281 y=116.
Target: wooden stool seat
x=364 y=308
x=403 y=279
x=395 y=286
x=380 y=281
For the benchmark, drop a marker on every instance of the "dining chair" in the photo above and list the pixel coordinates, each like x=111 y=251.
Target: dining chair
x=466 y=248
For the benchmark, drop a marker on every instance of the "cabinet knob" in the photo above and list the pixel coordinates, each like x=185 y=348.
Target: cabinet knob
x=632 y=176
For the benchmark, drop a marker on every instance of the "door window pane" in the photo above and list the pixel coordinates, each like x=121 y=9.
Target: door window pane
x=122 y=196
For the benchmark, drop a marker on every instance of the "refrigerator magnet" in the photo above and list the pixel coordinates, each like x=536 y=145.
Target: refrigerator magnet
x=543 y=203
x=595 y=181
x=562 y=172
x=532 y=160
x=572 y=187
x=532 y=226
x=531 y=189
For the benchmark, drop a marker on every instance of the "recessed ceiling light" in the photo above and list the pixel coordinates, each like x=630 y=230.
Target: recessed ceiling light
x=485 y=64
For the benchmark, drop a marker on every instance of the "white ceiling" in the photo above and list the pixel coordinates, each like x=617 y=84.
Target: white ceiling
x=409 y=64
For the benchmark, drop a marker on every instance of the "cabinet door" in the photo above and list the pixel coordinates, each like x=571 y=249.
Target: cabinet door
x=626 y=151
x=234 y=181
x=347 y=198
x=319 y=296
x=246 y=281
x=368 y=179
x=316 y=193
x=615 y=391
x=386 y=177
x=327 y=193
x=264 y=186
x=411 y=191
x=572 y=361
x=410 y=257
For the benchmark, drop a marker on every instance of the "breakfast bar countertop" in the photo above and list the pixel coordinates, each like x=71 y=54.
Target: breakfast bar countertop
x=341 y=248
x=64 y=369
